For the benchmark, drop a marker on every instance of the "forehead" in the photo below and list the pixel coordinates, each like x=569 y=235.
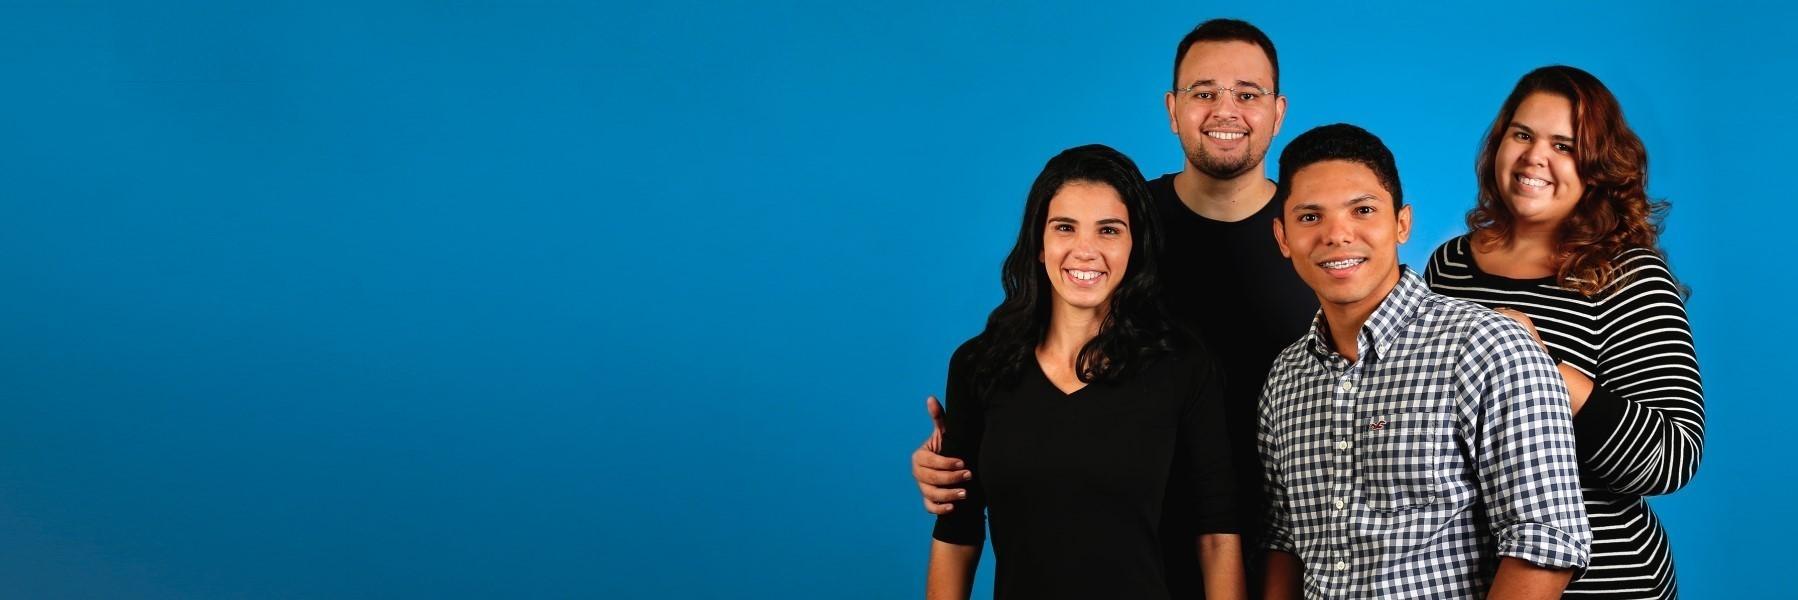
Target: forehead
x=1226 y=62
x=1544 y=111
x=1334 y=181
x=1088 y=199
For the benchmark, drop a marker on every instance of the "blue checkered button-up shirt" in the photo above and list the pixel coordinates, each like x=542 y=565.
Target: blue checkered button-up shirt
x=1409 y=472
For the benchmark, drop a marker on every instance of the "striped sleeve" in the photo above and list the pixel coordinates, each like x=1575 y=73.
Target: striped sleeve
x=1642 y=429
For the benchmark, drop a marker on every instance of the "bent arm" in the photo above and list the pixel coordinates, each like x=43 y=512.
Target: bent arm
x=1641 y=431
x=1526 y=463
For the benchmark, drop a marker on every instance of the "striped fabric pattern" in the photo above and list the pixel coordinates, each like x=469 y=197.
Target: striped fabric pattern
x=1642 y=431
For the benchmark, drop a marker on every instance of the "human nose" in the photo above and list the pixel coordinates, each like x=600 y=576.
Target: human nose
x=1226 y=105
x=1339 y=232
x=1535 y=154
x=1086 y=246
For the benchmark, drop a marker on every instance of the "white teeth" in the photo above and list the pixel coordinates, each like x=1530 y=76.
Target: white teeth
x=1224 y=135
x=1532 y=182
x=1344 y=263
x=1084 y=275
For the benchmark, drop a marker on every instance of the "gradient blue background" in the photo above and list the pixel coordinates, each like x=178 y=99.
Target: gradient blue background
x=551 y=299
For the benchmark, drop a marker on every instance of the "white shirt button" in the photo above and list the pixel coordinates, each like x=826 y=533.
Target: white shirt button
x=1341 y=566
x=1342 y=445
x=1348 y=386
x=1340 y=504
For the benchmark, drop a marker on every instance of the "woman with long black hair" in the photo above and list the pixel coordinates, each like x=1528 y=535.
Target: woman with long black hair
x=1080 y=404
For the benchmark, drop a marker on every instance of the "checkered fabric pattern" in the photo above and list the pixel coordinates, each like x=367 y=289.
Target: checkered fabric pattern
x=1409 y=472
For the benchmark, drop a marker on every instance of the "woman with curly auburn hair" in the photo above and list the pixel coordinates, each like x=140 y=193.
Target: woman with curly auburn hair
x=1563 y=239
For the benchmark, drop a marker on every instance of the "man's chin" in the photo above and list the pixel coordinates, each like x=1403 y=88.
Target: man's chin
x=1225 y=169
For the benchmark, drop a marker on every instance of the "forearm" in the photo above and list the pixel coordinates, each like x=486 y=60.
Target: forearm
x=1645 y=445
x=1285 y=576
x=951 y=571
x=1220 y=556
x=1517 y=579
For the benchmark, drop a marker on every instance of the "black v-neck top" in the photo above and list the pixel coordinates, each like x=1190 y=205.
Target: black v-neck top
x=1073 y=485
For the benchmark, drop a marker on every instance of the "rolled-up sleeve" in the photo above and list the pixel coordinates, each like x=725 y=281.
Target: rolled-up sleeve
x=1528 y=462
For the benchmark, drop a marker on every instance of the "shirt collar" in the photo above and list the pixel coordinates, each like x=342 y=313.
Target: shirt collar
x=1383 y=326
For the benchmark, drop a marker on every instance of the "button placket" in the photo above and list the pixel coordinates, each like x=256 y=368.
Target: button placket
x=1343 y=486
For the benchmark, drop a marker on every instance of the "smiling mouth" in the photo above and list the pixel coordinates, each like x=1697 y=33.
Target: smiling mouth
x=1343 y=264
x=1531 y=182
x=1083 y=277
x=1225 y=135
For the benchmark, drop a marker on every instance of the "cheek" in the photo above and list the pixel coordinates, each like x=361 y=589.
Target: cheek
x=1570 y=174
x=1296 y=242
x=1117 y=255
x=1259 y=120
x=1051 y=252
x=1193 y=115
x=1503 y=159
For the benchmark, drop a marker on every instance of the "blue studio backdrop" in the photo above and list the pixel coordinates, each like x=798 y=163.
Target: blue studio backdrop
x=564 y=299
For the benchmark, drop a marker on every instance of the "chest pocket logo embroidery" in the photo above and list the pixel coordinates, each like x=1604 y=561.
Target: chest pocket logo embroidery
x=1399 y=461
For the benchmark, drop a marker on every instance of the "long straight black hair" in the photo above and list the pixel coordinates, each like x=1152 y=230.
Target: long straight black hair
x=1136 y=326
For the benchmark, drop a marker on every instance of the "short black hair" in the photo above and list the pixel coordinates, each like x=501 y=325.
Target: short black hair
x=1227 y=30
x=1340 y=141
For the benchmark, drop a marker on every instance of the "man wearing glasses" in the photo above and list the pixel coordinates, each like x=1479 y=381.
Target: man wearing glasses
x=1224 y=275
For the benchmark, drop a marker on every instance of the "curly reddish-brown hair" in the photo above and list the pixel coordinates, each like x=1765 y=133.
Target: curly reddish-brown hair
x=1613 y=215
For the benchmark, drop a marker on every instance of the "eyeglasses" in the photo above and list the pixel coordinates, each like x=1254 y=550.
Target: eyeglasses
x=1247 y=96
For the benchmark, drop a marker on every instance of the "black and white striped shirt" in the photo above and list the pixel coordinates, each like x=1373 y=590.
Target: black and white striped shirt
x=1408 y=472
x=1641 y=432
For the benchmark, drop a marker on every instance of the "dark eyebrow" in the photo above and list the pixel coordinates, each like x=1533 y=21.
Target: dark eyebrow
x=1241 y=83
x=1206 y=82
x=1105 y=221
x=1361 y=199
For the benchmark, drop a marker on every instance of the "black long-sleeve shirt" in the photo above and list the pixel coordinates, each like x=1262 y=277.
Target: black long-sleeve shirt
x=1074 y=485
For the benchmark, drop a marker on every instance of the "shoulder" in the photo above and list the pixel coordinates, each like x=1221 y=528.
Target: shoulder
x=1291 y=358
x=1166 y=181
x=1162 y=190
x=964 y=357
x=1638 y=263
x=1452 y=255
x=1482 y=331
